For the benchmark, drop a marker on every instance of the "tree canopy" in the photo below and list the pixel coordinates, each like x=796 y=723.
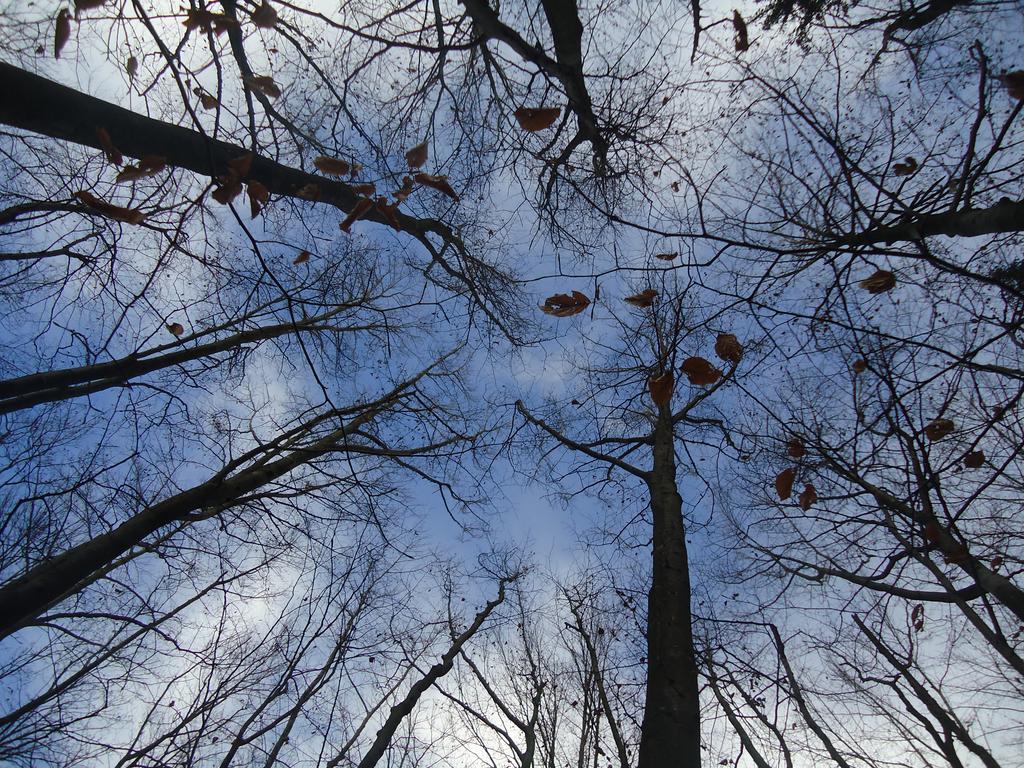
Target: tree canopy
x=558 y=385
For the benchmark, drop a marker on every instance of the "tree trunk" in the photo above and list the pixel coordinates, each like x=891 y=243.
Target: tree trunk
x=670 y=735
x=68 y=383
x=1005 y=216
x=54 y=579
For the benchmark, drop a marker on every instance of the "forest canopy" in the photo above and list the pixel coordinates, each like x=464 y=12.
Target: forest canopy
x=534 y=385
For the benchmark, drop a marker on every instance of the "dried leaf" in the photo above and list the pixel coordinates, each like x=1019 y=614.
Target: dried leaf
x=332 y=166
x=439 y=183
x=61 y=32
x=906 y=168
x=700 y=372
x=207 y=100
x=565 y=305
x=938 y=429
x=111 y=211
x=417 y=156
x=859 y=366
x=740 y=28
x=931 y=532
x=807 y=497
x=405 y=191
x=917 y=617
x=644 y=299
x=131 y=67
x=784 y=483
x=263 y=84
x=390 y=212
x=227 y=190
x=308 y=192
x=264 y=16
x=795 y=448
x=208 y=21
x=302 y=258
x=149 y=165
x=667 y=256
x=880 y=282
x=661 y=386
x=107 y=145
x=259 y=196
x=1014 y=82
x=367 y=189
x=974 y=459
x=728 y=348
x=996 y=562
x=363 y=206
x=87 y=5
x=239 y=167
x=537 y=119
x=176 y=328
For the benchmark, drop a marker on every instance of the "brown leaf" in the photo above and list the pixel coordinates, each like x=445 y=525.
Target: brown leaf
x=259 y=196
x=740 y=28
x=207 y=100
x=784 y=483
x=660 y=386
x=807 y=497
x=389 y=212
x=728 y=348
x=405 y=191
x=700 y=372
x=643 y=299
x=938 y=429
x=537 y=119
x=332 y=166
x=996 y=562
x=227 y=190
x=61 y=32
x=239 y=167
x=107 y=145
x=208 y=21
x=264 y=16
x=149 y=165
x=417 y=156
x=439 y=183
x=565 y=305
x=362 y=207
x=87 y=5
x=302 y=258
x=1014 y=82
x=263 y=84
x=859 y=366
x=308 y=192
x=367 y=189
x=667 y=256
x=111 y=211
x=917 y=617
x=176 y=328
x=974 y=459
x=906 y=168
x=131 y=67
x=795 y=448
x=880 y=282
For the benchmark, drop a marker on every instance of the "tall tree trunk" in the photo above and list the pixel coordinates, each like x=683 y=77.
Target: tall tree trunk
x=52 y=580
x=670 y=735
x=1005 y=216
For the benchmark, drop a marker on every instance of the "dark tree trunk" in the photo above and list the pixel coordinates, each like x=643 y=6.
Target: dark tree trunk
x=52 y=580
x=1006 y=216
x=670 y=735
